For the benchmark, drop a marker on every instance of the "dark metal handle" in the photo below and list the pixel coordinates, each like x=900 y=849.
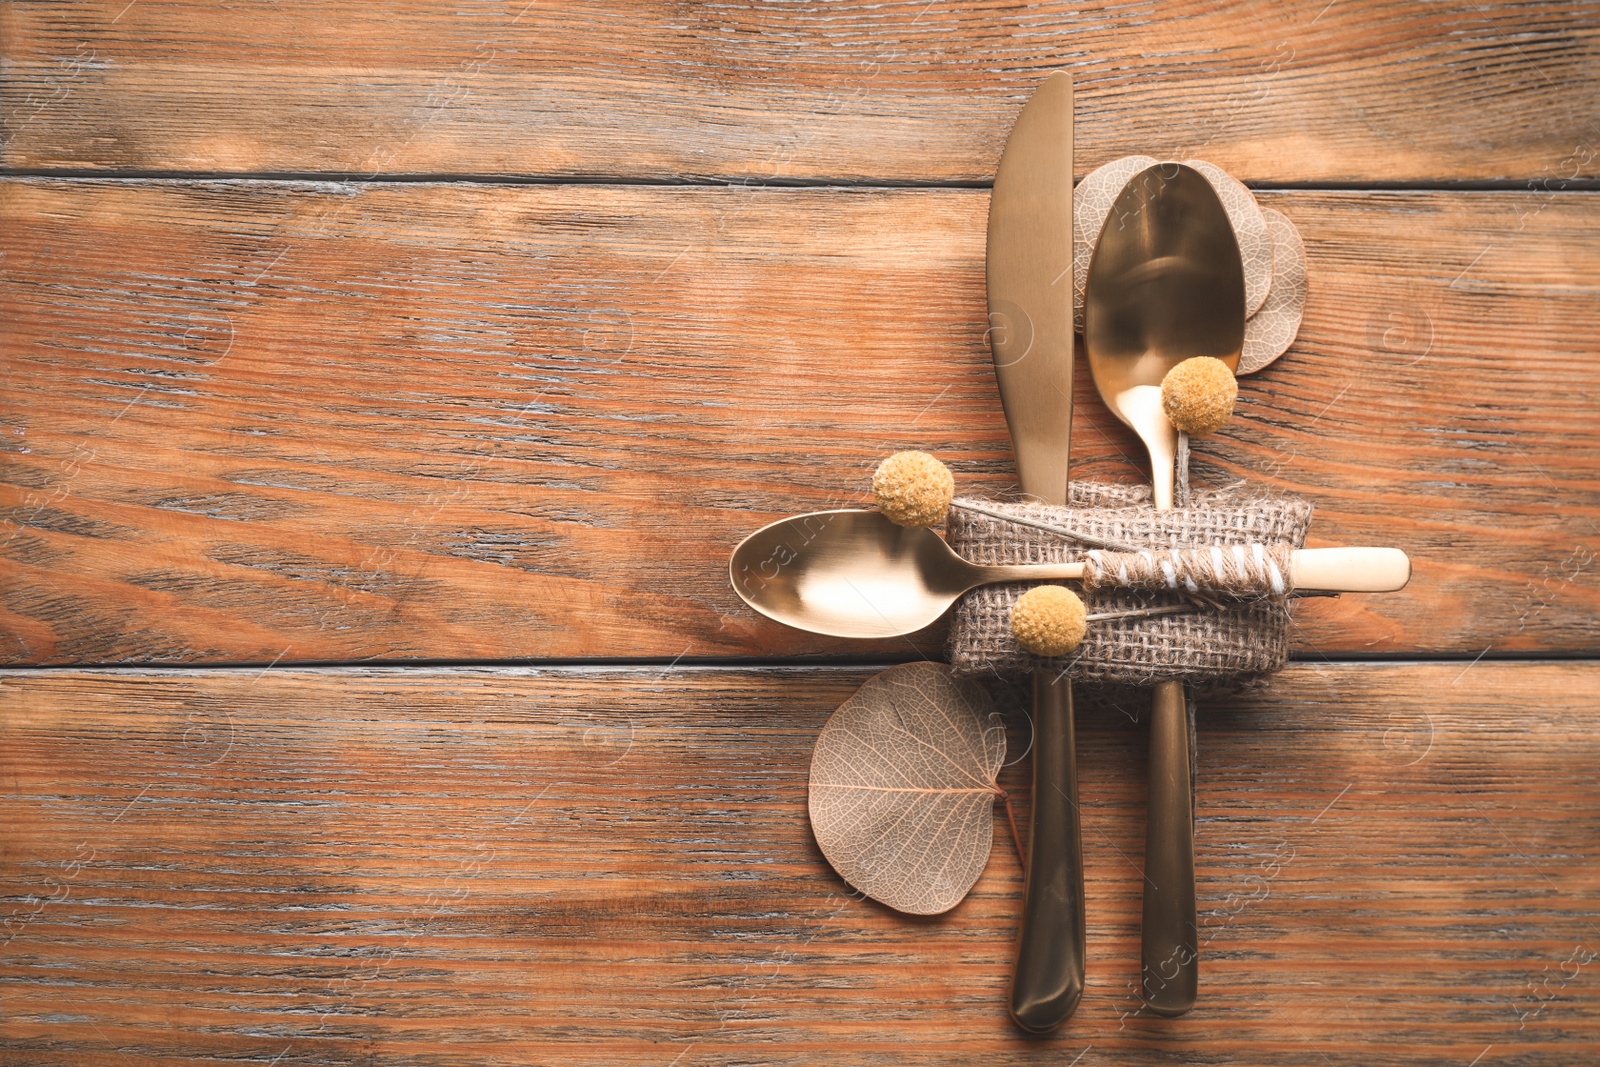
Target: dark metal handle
x=1048 y=979
x=1171 y=941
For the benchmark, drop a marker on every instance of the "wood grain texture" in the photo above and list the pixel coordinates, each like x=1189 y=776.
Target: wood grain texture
x=1397 y=865
x=315 y=422
x=1361 y=90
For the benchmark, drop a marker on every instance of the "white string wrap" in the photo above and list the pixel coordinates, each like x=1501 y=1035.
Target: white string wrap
x=1243 y=572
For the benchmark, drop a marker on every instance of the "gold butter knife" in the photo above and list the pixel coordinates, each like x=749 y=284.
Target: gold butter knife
x=1030 y=332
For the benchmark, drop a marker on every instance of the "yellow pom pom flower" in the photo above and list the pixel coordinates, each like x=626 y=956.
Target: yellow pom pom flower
x=1198 y=395
x=913 y=489
x=1049 y=620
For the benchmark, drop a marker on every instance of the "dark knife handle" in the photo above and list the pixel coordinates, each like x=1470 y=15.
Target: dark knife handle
x=1048 y=979
x=1171 y=941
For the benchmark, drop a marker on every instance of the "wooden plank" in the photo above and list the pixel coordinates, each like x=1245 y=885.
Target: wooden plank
x=1360 y=90
x=251 y=421
x=1397 y=864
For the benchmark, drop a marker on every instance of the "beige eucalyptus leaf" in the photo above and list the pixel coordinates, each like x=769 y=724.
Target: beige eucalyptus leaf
x=1249 y=229
x=903 y=787
x=1091 y=205
x=1270 y=331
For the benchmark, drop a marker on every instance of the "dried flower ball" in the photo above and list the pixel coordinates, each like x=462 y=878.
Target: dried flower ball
x=913 y=489
x=1198 y=395
x=1049 y=620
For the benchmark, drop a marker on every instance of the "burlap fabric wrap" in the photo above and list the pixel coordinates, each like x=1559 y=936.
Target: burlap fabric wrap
x=1213 y=648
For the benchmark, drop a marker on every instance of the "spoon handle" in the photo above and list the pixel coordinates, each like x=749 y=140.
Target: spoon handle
x=1171 y=934
x=1326 y=570
x=1028 y=572
x=1048 y=978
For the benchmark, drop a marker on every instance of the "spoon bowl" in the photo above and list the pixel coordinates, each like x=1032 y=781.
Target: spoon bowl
x=850 y=573
x=854 y=573
x=1166 y=283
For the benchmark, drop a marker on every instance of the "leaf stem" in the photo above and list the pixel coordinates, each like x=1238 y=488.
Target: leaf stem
x=1011 y=817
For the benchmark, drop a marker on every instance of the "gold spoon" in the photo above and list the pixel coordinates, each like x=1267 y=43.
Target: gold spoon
x=856 y=574
x=1166 y=283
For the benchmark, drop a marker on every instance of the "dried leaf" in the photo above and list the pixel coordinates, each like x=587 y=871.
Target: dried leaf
x=1270 y=331
x=1249 y=229
x=1092 y=201
x=903 y=787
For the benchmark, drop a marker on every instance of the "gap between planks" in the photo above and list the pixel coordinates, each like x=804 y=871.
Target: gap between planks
x=1488 y=185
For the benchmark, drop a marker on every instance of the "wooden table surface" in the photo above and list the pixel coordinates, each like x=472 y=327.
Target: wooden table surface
x=386 y=385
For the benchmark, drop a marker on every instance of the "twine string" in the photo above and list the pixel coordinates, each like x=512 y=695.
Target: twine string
x=1239 y=572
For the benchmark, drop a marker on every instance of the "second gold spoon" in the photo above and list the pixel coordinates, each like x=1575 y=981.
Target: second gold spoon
x=1165 y=283
x=854 y=573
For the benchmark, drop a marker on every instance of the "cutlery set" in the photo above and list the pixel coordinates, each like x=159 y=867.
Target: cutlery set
x=1165 y=284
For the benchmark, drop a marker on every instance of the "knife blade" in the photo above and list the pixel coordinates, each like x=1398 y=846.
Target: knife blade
x=1030 y=287
x=1029 y=266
